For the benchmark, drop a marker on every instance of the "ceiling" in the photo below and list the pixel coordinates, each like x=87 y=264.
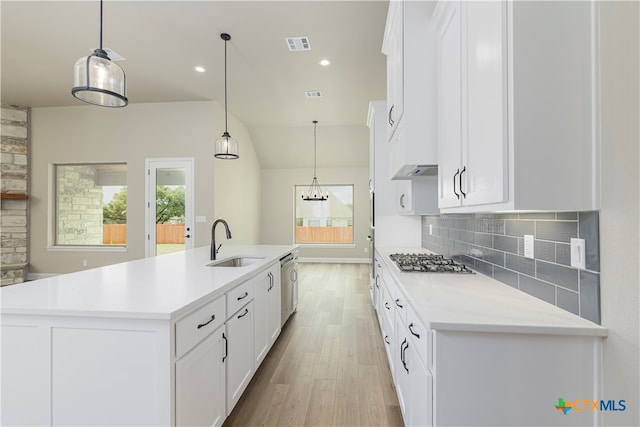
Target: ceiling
x=162 y=42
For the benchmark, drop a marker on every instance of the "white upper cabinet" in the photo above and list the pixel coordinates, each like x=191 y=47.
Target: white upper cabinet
x=517 y=90
x=410 y=46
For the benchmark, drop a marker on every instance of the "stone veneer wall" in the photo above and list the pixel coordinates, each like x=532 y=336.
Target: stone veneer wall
x=493 y=244
x=14 y=133
x=79 y=206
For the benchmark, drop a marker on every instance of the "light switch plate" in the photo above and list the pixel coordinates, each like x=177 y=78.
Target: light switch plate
x=430 y=229
x=578 y=253
x=201 y=219
x=528 y=246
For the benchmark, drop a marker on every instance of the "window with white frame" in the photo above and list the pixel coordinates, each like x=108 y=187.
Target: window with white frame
x=325 y=222
x=90 y=204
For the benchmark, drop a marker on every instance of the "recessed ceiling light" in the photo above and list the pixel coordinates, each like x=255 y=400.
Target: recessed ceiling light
x=199 y=69
x=325 y=62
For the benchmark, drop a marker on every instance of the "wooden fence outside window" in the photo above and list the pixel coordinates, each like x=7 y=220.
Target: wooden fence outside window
x=116 y=234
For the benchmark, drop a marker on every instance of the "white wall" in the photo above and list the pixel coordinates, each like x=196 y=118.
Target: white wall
x=131 y=134
x=278 y=207
x=620 y=213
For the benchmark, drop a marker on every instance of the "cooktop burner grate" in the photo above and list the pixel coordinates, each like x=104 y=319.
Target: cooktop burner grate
x=428 y=263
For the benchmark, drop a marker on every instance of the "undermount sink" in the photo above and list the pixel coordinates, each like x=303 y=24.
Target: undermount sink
x=239 y=261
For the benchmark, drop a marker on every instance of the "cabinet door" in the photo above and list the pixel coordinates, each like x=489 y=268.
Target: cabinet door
x=200 y=383
x=395 y=65
x=239 y=354
x=274 y=318
x=418 y=389
x=484 y=163
x=404 y=196
x=449 y=103
x=260 y=315
x=267 y=314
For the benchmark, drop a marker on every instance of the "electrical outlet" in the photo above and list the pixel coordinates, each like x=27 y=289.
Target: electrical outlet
x=84 y=263
x=578 y=253
x=366 y=250
x=528 y=246
x=201 y=219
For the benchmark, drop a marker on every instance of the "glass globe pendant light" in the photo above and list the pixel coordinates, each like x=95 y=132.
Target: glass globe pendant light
x=97 y=80
x=226 y=146
x=315 y=192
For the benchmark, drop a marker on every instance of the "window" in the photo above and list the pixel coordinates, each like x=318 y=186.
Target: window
x=325 y=222
x=90 y=204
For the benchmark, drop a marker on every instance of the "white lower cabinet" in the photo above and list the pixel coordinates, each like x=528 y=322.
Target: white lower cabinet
x=200 y=383
x=267 y=304
x=239 y=354
x=454 y=373
x=413 y=379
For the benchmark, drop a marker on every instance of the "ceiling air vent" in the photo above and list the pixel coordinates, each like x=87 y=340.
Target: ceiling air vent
x=313 y=94
x=298 y=43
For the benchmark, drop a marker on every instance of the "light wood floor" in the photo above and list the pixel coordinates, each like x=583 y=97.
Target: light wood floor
x=328 y=367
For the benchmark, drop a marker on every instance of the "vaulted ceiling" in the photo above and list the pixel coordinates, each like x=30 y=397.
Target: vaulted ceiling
x=162 y=42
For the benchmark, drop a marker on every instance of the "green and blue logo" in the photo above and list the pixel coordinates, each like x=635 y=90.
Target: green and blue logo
x=581 y=405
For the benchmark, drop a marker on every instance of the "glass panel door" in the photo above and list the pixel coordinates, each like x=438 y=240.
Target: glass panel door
x=169 y=206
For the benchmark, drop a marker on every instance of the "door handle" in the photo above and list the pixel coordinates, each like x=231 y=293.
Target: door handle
x=411 y=330
x=226 y=347
x=454 y=184
x=464 y=195
x=213 y=317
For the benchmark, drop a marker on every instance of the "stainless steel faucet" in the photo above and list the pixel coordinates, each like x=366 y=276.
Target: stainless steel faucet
x=215 y=250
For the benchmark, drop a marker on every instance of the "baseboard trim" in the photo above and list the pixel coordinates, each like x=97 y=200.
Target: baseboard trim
x=336 y=260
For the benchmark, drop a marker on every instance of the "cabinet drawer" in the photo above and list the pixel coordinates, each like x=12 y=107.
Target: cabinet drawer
x=196 y=326
x=239 y=296
x=420 y=336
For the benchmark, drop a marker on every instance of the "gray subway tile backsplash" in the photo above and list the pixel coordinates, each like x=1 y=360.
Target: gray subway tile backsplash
x=493 y=244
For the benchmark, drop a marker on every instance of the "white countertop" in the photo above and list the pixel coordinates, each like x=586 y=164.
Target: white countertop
x=160 y=287
x=475 y=302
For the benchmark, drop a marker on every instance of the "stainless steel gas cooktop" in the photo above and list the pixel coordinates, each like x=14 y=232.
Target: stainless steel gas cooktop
x=428 y=263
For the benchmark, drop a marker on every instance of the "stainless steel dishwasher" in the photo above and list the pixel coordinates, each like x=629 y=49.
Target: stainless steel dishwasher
x=289 y=277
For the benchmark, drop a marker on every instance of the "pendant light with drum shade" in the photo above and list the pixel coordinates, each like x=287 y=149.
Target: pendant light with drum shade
x=315 y=192
x=99 y=81
x=226 y=146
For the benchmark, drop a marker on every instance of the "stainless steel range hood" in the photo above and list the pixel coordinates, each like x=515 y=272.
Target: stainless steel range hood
x=419 y=170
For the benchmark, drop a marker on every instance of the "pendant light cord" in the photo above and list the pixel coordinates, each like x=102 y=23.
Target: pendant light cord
x=225 y=87
x=100 y=24
x=315 y=145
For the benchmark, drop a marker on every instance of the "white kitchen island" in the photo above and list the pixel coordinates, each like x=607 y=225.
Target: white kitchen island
x=467 y=350
x=158 y=341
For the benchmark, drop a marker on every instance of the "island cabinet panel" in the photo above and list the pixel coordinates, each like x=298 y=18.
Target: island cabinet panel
x=66 y=371
x=196 y=326
x=25 y=398
x=266 y=305
x=200 y=383
x=239 y=354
